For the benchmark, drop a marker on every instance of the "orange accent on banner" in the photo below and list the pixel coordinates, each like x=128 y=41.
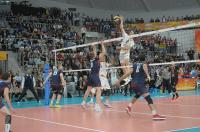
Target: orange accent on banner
x=186 y=83
x=158 y=25
x=3 y=55
x=197 y=41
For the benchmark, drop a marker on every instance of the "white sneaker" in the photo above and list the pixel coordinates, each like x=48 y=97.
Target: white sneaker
x=97 y=108
x=83 y=105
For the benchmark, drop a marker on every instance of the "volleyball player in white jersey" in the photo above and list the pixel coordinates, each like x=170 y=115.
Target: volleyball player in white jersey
x=125 y=48
x=106 y=90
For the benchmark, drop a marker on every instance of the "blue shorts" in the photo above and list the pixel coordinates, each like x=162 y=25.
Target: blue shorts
x=57 y=89
x=1 y=103
x=139 y=89
x=94 y=81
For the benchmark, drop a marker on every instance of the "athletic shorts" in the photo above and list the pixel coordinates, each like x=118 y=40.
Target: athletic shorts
x=1 y=103
x=139 y=89
x=124 y=56
x=57 y=89
x=104 y=83
x=94 y=81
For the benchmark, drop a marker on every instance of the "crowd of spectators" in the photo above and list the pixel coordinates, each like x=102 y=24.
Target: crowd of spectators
x=34 y=37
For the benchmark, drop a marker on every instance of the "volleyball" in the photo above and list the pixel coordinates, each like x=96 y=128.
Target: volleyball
x=117 y=19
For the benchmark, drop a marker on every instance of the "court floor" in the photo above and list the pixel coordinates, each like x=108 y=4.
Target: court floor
x=183 y=115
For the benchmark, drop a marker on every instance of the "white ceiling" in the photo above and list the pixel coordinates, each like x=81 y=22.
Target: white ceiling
x=136 y=5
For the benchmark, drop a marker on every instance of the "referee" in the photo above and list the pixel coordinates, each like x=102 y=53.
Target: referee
x=166 y=80
x=28 y=83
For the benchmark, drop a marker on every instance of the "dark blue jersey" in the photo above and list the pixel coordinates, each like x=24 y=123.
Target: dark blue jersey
x=3 y=85
x=139 y=75
x=56 y=80
x=95 y=66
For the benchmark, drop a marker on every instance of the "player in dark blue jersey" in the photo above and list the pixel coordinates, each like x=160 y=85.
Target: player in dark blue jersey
x=57 y=84
x=140 y=74
x=4 y=93
x=94 y=79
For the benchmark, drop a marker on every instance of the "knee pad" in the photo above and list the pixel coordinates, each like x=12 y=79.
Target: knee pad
x=137 y=96
x=8 y=119
x=149 y=99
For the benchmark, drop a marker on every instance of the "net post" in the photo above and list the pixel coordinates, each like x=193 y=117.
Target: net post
x=47 y=84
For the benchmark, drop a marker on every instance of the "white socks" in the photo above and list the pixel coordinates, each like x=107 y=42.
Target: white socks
x=7 y=128
x=154 y=112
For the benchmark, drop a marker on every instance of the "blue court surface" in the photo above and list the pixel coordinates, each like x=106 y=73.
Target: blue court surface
x=194 y=129
x=78 y=100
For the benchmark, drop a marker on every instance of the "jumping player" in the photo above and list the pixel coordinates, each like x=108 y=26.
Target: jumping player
x=4 y=93
x=125 y=48
x=57 y=84
x=140 y=73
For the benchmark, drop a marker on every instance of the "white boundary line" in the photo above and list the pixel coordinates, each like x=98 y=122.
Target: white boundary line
x=183 y=105
x=111 y=110
x=175 y=104
x=120 y=101
x=142 y=113
x=57 y=123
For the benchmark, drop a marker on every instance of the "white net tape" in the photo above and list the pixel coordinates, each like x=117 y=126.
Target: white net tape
x=153 y=64
x=193 y=24
x=132 y=36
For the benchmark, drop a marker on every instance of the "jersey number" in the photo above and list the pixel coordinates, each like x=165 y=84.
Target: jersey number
x=91 y=64
x=55 y=72
x=138 y=68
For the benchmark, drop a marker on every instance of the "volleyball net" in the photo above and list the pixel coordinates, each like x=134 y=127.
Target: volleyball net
x=174 y=40
x=162 y=47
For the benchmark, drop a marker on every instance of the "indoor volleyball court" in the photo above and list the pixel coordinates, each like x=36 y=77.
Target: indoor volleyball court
x=100 y=66
x=181 y=115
